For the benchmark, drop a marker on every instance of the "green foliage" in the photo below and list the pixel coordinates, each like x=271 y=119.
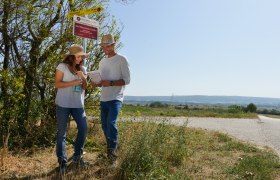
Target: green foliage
x=157 y=151
x=251 y=108
x=190 y=111
x=92 y=105
x=35 y=37
x=230 y=144
x=235 y=109
x=269 y=111
x=157 y=104
x=151 y=150
x=180 y=151
x=162 y=151
x=260 y=166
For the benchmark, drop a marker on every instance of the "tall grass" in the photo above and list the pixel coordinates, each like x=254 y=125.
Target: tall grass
x=151 y=151
x=256 y=167
x=162 y=151
x=157 y=151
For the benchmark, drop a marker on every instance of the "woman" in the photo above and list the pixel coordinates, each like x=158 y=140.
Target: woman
x=70 y=81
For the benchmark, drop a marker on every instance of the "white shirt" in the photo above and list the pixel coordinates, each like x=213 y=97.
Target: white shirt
x=69 y=97
x=112 y=69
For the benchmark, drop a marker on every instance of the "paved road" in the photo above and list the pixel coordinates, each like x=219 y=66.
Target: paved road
x=263 y=131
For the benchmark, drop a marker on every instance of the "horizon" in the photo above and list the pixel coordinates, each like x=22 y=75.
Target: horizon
x=206 y=100
x=200 y=95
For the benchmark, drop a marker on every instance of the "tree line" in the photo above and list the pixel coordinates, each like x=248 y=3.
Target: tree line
x=233 y=108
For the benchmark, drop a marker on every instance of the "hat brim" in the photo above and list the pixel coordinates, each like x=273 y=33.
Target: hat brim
x=106 y=44
x=81 y=54
x=78 y=54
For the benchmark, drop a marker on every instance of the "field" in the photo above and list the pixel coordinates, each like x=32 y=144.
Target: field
x=186 y=111
x=152 y=151
x=273 y=116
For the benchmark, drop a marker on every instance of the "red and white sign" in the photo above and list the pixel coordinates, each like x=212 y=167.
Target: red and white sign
x=85 y=28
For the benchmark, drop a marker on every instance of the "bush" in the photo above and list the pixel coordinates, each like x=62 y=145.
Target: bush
x=158 y=104
x=251 y=108
x=235 y=109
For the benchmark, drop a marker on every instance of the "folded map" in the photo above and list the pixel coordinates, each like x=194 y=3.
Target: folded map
x=94 y=76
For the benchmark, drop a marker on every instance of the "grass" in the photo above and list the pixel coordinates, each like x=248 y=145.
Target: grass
x=272 y=116
x=153 y=151
x=192 y=111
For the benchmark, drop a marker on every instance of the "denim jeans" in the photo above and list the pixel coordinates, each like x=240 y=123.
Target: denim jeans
x=79 y=116
x=109 y=115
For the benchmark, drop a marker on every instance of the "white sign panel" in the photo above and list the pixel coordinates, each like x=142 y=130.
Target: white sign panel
x=85 y=28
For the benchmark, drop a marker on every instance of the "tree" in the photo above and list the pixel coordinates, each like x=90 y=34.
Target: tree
x=158 y=104
x=34 y=36
x=251 y=108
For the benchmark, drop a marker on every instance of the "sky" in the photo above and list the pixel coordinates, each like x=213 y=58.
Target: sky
x=201 y=47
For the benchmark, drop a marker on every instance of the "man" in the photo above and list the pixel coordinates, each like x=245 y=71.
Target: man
x=115 y=74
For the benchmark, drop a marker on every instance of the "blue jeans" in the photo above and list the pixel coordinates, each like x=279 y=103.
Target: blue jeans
x=109 y=115
x=79 y=116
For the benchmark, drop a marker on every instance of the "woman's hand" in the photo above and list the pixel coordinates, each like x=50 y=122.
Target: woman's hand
x=81 y=74
x=78 y=82
x=83 y=79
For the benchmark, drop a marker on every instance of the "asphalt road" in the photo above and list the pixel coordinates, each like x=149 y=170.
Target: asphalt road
x=263 y=131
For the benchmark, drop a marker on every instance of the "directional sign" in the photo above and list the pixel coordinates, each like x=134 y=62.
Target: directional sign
x=85 y=11
x=85 y=28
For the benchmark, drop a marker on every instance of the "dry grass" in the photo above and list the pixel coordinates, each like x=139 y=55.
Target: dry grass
x=43 y=165
x=208 y=155
x=24 y=164
x=40 y=163
x=272 y=116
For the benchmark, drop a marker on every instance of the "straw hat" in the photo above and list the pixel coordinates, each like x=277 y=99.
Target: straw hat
x=76 y=50
x=107 y=39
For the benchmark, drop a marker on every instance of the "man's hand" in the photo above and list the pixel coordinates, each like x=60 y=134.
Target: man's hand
x=95 y=85
x=105 y=83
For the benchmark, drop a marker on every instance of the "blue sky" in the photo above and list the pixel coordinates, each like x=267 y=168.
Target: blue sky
x=201 y=47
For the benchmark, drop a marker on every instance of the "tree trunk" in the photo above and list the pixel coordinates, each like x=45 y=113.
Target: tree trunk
x=4 y=85
x=28 y=88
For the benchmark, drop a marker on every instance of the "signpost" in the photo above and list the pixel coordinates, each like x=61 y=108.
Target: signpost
x=85 y=28
x=85 y=11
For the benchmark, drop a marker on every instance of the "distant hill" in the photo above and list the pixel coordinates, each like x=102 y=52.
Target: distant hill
x=205 y=100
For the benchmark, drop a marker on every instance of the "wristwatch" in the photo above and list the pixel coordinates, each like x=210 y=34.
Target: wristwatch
x=112 y=83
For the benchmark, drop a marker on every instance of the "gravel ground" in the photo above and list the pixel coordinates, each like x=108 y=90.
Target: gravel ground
x=263 y=131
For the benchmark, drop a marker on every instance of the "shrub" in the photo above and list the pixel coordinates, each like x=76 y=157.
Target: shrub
x=235 y=109
x=158 y=104
x=251 y=108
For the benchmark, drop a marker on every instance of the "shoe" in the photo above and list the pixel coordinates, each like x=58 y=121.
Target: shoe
x=62 y=168
x=80 y=162
x=113 y=165
x=111 y=154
